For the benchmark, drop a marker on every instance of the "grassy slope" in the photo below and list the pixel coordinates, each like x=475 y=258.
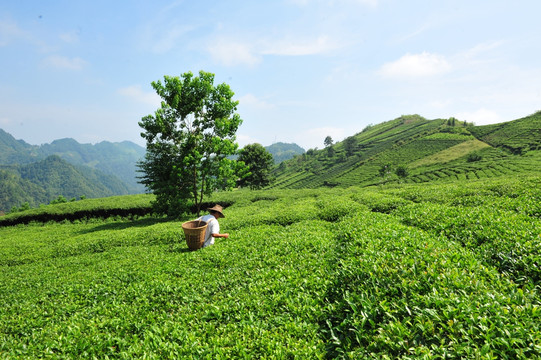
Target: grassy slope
x=519 y=136
x=432 y=150
x=398 y=271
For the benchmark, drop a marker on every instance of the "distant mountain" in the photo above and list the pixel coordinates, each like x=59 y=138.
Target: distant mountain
x=282 y=151
x=16 y=151
x=43 y=181
x=117 y=159
x=414 y=149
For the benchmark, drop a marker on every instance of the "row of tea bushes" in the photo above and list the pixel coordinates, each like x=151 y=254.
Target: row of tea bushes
x=400 y=292
x=508 y=240
x=259 y=294
x=123 y=206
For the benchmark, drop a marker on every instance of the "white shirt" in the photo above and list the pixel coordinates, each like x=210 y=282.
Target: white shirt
x=213 y=227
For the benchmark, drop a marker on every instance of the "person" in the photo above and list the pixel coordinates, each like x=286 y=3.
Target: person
x=213 y=227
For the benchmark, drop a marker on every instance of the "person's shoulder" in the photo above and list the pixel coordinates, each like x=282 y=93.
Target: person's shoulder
x=207 y=218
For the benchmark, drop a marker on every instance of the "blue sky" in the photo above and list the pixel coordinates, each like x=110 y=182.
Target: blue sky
x=301 y=69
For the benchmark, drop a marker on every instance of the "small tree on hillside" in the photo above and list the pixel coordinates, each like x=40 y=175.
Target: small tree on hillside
x=328 y=145
x=402 y=171
x=259 y=162
x=349 y=145
x=189 y=139
x=328 y=141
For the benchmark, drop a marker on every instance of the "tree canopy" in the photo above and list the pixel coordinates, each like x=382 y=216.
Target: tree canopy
x=189 y=139
x=328 y=141
x=259 y=162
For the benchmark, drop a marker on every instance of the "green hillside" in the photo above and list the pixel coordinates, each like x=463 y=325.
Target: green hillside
x=519 y=136
x=43 y=181
x=282 y=151
x=16 y=151
x=426 y=150
x=400 y=271
x=117 y=159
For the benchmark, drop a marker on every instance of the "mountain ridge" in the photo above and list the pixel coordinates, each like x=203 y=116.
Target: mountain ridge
x=114 y=158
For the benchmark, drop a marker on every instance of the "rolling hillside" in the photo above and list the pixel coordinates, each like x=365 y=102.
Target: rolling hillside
x=43 y=181
x=117 y=159
x=412 y=149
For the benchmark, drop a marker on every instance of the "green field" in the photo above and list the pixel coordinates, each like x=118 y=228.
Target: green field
x=397 y=271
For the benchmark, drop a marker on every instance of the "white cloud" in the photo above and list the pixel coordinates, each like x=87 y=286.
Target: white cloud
x=416 y=65
x=480 y=117
x=9 y=31
x=5 y=121
x=169 y=39
x=234 y=52
x=137 y=94
x=244 y=140
x=70 y=37
x=63 y=62
x=231 y=53
x=371 y=3
x=250 y=100
x=290 y=47
x=481 y=49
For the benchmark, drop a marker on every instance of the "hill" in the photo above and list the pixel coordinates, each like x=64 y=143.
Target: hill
x=43 y=181
x=117 y=159
x=414 y=149
x=16 y=151
x=283 y=151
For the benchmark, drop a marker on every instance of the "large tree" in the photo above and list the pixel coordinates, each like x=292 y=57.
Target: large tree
x=189 y=139
x=259 y=162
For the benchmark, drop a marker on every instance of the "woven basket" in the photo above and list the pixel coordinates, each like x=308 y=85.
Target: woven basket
x=194 y=231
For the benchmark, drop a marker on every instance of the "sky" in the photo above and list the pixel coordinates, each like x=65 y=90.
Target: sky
x=301 y=70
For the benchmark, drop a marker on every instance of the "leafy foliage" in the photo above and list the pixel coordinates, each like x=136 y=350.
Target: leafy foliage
x=188 y=141
x=259 y=162
x=398 y=271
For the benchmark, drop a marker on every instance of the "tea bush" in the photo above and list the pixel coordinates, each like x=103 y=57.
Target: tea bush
x=400 y=292
x=509 y=241
x=387 y=272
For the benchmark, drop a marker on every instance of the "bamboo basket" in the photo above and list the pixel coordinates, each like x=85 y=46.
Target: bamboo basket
x=194 y=231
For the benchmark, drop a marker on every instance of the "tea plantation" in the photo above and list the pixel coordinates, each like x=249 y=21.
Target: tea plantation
x=405 y=271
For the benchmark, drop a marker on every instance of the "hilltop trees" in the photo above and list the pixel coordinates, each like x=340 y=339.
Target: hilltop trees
x=259 y=162
x=328 y=142
x=189 y=139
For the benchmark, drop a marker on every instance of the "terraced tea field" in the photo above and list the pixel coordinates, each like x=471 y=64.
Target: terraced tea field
x=430 y=150
x=397 y=271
